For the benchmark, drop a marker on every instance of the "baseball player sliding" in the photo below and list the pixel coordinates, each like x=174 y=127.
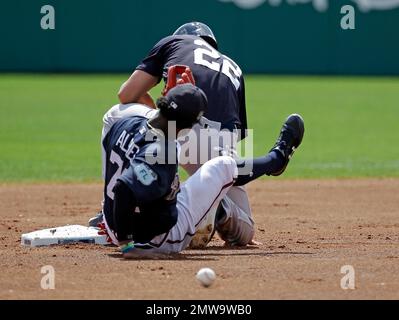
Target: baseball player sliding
x=194 y=45
x=146 y=210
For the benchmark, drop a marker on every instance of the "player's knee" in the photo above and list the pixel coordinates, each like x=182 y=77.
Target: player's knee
x=234 y=225
x=246 y=235
x=238 y=233
x=226 y=165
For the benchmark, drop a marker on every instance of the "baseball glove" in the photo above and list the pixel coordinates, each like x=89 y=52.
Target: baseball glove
x=178 y=74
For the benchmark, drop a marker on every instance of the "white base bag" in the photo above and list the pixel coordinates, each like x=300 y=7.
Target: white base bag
x=64 y=235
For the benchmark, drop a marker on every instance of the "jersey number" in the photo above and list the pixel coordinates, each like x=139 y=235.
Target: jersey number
x=115 y=159
x=205 y=55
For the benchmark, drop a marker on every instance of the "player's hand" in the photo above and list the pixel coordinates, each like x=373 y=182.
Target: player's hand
x=186 y=77
x=178 y=74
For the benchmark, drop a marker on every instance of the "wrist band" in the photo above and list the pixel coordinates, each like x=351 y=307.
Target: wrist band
x=127 y=247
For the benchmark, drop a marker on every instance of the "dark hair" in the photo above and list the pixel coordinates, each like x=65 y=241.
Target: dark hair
x=162 y=105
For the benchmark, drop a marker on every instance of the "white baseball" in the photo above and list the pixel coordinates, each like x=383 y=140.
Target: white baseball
x=206 y=276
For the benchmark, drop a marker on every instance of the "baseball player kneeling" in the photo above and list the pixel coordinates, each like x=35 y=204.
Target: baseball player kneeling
x=146 y=211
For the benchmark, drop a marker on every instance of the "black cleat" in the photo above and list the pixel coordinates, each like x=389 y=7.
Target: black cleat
x=290 y=138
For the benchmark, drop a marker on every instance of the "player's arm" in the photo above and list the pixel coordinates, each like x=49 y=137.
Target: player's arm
x=135 y=89
x=144 y=186
x=147 y=74
x=154 y=219
x=124 y=205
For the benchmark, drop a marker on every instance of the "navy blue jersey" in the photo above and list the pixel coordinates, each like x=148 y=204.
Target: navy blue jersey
x=131 y=150
x=216 y=74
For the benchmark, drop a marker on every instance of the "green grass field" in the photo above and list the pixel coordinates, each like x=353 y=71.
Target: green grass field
x=50 y=124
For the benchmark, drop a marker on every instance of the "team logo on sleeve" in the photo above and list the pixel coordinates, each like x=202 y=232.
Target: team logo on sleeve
x=144 y=174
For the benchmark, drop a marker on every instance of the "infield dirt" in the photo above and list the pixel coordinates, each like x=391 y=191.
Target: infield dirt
x=309 y=230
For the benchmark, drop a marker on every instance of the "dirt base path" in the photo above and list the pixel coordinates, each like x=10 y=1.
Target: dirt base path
x=309 y=230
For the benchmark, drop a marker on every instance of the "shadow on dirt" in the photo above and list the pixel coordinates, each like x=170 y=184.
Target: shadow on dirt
x=209 y=254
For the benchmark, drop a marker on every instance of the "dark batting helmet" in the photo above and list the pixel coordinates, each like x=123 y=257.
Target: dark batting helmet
x=184 y=104
x=198 y=29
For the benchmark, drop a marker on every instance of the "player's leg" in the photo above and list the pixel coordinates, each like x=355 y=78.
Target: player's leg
x=198 y=197
x=233 y=219
x=276 y=161
x=210 y=143
x=233 y=222
x=204 y=190
x=202 y=144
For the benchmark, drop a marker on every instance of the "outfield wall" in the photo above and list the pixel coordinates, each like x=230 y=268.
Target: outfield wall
x=264 y=36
